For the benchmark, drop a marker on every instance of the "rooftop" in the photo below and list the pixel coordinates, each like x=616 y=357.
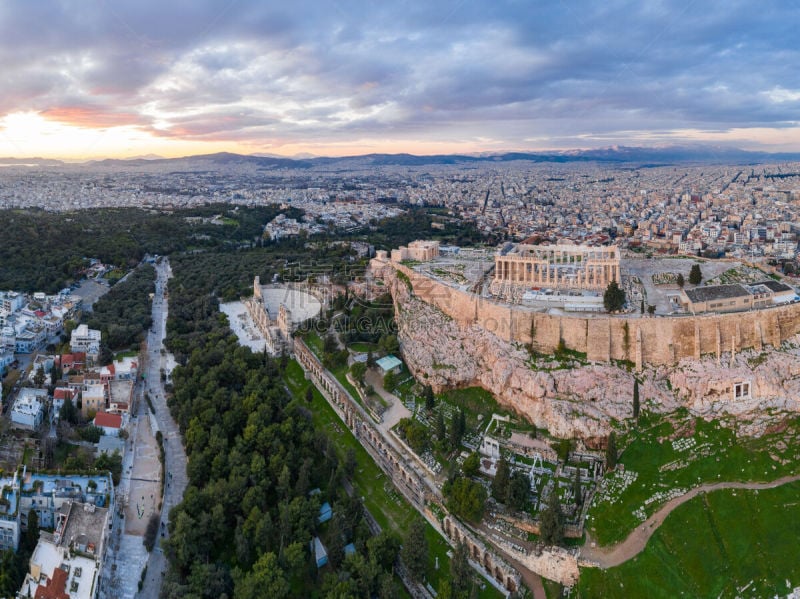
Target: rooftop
x=714 y=292
x=775 y=286
x=108 y=420
x=386 y=363
x=74 y=575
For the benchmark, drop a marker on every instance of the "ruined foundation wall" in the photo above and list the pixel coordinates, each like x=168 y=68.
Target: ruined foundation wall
x=653 y=341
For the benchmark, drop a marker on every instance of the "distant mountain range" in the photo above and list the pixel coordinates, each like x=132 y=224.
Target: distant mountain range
x=650 y=156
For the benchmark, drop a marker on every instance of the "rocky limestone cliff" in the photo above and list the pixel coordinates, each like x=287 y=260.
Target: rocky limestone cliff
x=582 y=400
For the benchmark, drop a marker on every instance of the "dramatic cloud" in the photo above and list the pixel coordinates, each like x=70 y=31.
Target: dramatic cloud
x=472 y=74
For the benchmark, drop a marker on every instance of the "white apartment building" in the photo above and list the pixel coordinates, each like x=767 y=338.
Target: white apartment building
x=86 y=340
x=28 y=410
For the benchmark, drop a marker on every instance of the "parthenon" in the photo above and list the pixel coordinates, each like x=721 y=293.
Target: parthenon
x=558 y=266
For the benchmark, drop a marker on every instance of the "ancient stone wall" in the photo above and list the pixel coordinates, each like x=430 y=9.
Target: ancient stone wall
x=653 y=341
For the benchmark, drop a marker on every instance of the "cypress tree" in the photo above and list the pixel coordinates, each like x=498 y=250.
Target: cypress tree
x=500 y=481
x=611 y=451
x=551 y=526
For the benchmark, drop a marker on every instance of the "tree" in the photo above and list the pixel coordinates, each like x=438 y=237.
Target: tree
x=519 y=487
x=551 y=526
x=389 y=343
x=329 y=344
x=680 y=280
x=500 y=481
x=383 y=549
x=456 y=431
x=295 y=558
x=471 y=464
x=91 y=433
x=389 y=380
x=267 y=579
x=416 y=434
x=68 y=412
x=39 y=376
x=563 y=449
x=611 y=451
x=636 y=398
x=358 y=370
x=613 y=297
x=460 y=571
x=105 y=356
x=151 y=532
x=441 y=432
x=32 y=532
x=310 y=393
x=651 y=309
x=387 y=589
x=414 y=552
x=641 y=307
x=350 y=462
x=370 y=360
x=465 y=498
x=55 y=374
x=695 y=275
x=429 y=399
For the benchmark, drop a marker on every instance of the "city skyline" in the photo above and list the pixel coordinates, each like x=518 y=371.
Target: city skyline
x=129 y=79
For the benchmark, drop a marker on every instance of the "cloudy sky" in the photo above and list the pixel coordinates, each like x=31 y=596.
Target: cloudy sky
x=88 y=78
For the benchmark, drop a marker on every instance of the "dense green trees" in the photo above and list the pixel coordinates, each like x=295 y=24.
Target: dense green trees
x=519 y=486
x=415 y=433
x=471 y=464
x=253 y=457
x=510 y=488
x=124 y=313
x=45 y=251
x=247 y=517
x=465 y=498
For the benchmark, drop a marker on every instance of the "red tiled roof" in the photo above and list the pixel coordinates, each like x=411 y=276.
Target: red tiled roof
x=64 y=393
x=108 y=420
x=69 y=360
x=55 y=587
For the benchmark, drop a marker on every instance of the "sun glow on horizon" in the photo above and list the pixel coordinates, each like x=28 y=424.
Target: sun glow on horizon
x=49 y=135
x=29 y=135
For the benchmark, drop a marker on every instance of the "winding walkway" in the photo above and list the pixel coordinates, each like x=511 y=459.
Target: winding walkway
x=634 y=544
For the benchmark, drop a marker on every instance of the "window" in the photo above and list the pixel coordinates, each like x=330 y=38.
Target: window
x=741 y=390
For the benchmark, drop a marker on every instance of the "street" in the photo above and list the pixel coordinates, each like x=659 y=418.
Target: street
x=175 y=456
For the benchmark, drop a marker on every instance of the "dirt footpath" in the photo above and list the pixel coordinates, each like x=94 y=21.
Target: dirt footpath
x=614 y=555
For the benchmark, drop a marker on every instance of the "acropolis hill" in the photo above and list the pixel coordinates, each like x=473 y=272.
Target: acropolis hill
x=454 y=333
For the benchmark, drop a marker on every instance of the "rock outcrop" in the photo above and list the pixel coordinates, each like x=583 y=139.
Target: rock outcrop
x=581 y=399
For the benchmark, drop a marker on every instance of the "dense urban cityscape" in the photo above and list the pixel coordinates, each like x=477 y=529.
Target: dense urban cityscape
x=372 y=300
x=720 y=211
